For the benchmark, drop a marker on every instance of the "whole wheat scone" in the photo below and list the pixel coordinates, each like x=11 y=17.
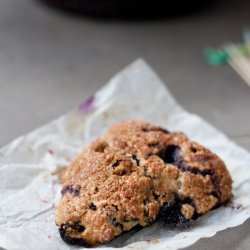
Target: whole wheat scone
x=133 y=175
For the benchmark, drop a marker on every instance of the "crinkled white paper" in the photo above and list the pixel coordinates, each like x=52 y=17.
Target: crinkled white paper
x=29 y=186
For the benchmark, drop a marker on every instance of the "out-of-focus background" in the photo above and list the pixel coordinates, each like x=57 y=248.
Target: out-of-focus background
x=51 y=60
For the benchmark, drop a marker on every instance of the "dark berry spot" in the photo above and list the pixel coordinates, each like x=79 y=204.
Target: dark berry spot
x=170 y=154
x=71 y=190
x=215 y=194
x=136 y=159
x=193 y=149
x=116 y=163
x=152 y=145
x=69 y=240
x=75 y=226
x=171 y=213
x=205 y=172
x=123 y=172
x=79 y=228
x=113 y=221
x=156 y=196
x=77 y=191
x=92 y=206
x=192 y=170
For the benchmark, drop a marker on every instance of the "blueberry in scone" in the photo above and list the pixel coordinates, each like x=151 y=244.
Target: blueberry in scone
x=135 y=174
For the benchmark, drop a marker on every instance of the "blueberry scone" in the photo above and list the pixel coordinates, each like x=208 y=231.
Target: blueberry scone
x=135 y=174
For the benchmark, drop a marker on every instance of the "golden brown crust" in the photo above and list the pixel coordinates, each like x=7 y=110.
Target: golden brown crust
x=134 y=174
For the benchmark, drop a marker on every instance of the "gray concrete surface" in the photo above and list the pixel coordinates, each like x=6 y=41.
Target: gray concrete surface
x=50 y=62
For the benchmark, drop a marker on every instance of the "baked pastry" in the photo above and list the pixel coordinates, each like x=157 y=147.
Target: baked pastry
x=135 y=174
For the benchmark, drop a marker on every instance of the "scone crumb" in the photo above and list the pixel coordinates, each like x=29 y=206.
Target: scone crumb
x=188 y=211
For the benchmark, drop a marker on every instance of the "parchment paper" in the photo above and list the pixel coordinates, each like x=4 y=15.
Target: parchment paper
x=29 y=166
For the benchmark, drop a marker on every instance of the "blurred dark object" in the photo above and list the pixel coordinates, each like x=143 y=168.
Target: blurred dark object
x=131 y=8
